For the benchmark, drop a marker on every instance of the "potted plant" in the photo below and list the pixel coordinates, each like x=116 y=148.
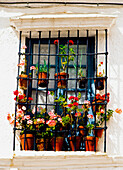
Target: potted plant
x=65 y=59
x=99 y=82
x=89 y=139
x=23 y=80
x=42 y=74
x=21 y=99
x=82 y=77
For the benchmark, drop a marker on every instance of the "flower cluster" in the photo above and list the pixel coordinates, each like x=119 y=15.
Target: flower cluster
x=21 y=97
x=100 y=70
x=102 y=97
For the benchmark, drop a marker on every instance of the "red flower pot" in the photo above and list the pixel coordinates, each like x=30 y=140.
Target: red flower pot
x=59 y=143
x=29 y=141
x=89 y=143
x=61 y=83
x=75 y=142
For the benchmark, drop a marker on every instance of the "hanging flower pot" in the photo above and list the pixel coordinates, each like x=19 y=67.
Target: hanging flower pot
x=61 y=83
x=42 y=83
x=23 y=82
x=75 y=142
x=59 y=143
x=40 y=144
x=89 y=143
x=29 y=141
x=98 y=132
x=81 y=130
x=82 y=83
x=99 y=83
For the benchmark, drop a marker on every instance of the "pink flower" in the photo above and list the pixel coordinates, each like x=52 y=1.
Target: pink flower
x=119 y=111
x=51 y=123
x=29 y=122
x=40 y=120
x=24 y=47
x=87 y=102
x=27 y=117
x=90 y=116
x=32 y=68
x=77 y=114
x=48 y=92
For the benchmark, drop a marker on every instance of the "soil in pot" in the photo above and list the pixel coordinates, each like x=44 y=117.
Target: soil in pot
x=99 y=83
x=61 y=83
x=89 y=143
x=59 y=143
x=29 y=141
x=75 y=143
x=42 y=83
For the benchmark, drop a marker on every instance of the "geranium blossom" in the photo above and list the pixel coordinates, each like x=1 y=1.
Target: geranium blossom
x=27 y=117
x=101 y=62
x=71 y=98
x=87 y=102
x=23 y=47
x=32 y=68
x=56 y=42
x=90 y=116
x=23 y=107
x=70 y=105
x=40 y=120
x=76 y=98
x=51 y=123
x=21 y=64
x=16 y=92
x=101 y=111
x=21 y=97
x=75 y=104
x=71 y=42
x=48 y=92
x=119 y=111
x=60 y=119
x=30 y=98
x=29 y=122
x=77 y=114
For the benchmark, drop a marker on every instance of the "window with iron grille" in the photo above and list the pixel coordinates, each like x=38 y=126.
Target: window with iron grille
x=59 y=76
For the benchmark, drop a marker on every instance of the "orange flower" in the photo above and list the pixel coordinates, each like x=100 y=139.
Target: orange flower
x=119 y=111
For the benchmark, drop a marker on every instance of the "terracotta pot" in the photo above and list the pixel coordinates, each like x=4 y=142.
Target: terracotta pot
x=98 y=132
x=23 y=82
x=42 y=83
x=89 y=143
x=40 y=144
x=81 y=130
x=59 y=143
x=75 y=141
x=29 y=141
x=61 y=83
x=99 y=83
x=97 y=106
x=82 y=83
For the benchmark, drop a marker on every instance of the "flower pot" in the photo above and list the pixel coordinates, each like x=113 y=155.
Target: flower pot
x=42 y=83
x=75 y=142
x=89 y=143
x=81 y=130
x=59 y=143
x=61 y=83
x=29 y=141
x=40 y=144
x=99 y=83
x=82 y=83
x=97 y=106
x=98 y=132
x=23 y=82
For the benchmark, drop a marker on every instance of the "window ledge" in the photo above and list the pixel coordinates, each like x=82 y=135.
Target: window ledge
x=60 y=22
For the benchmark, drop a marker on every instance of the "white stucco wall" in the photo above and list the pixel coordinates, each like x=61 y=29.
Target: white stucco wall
x=8 y=72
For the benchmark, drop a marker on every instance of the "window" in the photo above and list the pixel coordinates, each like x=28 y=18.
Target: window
x=53 y=110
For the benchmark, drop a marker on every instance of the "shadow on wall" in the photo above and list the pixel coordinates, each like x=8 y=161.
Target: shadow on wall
x=115 y=87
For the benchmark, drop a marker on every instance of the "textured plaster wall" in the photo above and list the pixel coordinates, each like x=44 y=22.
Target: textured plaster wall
x=8 y=72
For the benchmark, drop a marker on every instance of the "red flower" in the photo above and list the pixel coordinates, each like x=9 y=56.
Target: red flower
x=8 y=116
x=16 y=92
x=76 y=98
x=15 y=98
x=56 y=42
x=70 y=105
x=100 y=73
x=77 y=114
x=30 y=98
x=71 y=42
x=71 y=97
x=101 y=62
x=21 y=97
x=75 y=104
x=90 y=116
